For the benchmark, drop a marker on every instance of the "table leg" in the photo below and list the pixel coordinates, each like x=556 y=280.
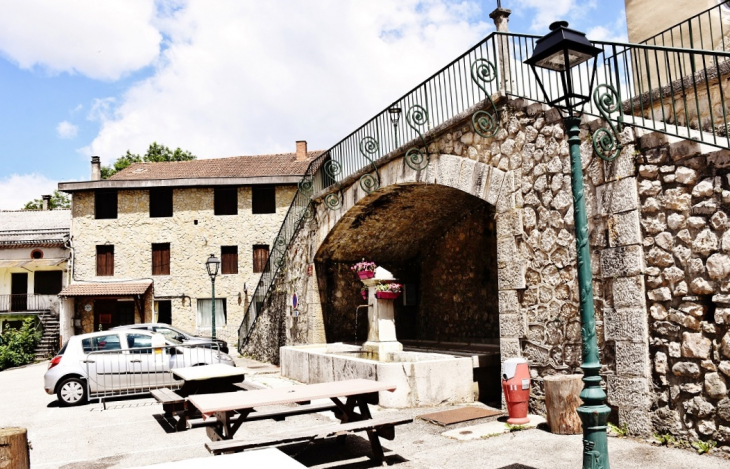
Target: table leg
x=225 y=427
x=372 y=434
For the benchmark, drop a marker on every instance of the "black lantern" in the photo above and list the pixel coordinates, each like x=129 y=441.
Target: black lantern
x=212 y=264
x=561 y=50
x=394 y=112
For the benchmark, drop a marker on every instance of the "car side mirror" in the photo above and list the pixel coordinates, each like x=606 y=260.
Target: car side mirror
x=180 y=338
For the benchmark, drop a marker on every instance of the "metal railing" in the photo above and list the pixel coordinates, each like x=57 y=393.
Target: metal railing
x=708 y=30
x=139 y=370
x=25 y=302
x=646 y=86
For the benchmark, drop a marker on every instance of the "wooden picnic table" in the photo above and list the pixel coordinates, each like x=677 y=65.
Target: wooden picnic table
x=356 y=392
x=208 y=378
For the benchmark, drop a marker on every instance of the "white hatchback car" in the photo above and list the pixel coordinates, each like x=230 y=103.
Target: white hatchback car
x=121 y=362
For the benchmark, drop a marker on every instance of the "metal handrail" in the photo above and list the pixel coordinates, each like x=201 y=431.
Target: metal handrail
x=658 y=88
x=700 y=23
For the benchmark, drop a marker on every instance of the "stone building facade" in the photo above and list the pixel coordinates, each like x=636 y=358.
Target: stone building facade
x=134 y=291
x=657 y=230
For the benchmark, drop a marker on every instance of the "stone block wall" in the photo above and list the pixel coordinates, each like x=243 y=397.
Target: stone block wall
x=685 y=197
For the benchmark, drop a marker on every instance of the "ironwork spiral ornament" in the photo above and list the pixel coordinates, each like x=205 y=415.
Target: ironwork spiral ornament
x=333 y=169
x=368 y=147
x=484 y=123
x=279 y=261
x=280 y=243
x=416 y=159
x=306 y=185
x=308 y=213
x=605 y=142
x=333 y=201
x=369 y=183
x=417 y=117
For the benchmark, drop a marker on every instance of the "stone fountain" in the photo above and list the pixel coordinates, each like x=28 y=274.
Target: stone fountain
x=422 y=379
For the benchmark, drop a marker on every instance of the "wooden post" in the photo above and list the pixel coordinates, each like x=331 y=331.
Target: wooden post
x=14 y=448
x=561 y=400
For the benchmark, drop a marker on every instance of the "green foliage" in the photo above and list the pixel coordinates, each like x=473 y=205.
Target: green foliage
x=18 y=346
x=665 y=440
x=621 y=431
x=515 y=428
x=156 y=153
x=58 y=200
x=704 y=446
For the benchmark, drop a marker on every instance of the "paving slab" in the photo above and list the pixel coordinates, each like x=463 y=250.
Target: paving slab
x=491 y=429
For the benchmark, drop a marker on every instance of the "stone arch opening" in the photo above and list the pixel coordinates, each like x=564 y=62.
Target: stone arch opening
x=441 y=243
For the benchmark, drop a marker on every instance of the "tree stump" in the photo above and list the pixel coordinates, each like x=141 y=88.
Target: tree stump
x=14 y=448
x=561 y=401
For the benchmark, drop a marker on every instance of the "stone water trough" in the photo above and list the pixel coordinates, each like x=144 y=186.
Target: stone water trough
x=422 y=379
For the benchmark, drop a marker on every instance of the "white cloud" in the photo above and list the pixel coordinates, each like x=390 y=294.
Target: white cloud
x=66 y=130
x=17 y=189
x=248 y=77
x=102 y=40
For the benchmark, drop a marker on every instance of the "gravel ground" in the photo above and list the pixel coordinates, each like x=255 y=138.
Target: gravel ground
x=128 y=434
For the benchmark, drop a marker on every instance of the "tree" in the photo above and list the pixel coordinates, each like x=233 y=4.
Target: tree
x=58 y=200
x=156 y=153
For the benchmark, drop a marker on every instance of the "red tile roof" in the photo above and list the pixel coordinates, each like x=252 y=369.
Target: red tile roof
x=106 y=289
x=233 y=167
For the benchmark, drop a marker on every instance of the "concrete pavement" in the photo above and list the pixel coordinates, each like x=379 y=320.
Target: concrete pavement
x=128 y=434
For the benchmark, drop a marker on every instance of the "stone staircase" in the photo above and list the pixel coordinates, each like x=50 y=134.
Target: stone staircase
x=48 y=346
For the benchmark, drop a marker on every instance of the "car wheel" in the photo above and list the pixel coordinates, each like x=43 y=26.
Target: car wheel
x=72 y=391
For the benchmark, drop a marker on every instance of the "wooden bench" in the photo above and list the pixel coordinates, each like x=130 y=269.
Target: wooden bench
x=174 y=405
x=383 y=427
x=250 y=386
x=277 y=415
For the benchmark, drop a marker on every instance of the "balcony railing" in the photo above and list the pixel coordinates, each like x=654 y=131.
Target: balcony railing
x=25 y=302
x=708 y=30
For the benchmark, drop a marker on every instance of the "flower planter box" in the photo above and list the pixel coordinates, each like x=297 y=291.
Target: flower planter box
x=366 y=274
x=386 y=295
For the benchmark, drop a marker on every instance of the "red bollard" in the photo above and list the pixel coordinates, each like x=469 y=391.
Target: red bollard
x=516 y=387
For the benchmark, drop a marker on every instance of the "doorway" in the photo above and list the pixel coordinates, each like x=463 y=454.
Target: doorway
x=112 y=313
x=19 y=292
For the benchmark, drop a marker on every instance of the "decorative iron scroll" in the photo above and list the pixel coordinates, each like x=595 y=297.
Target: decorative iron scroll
x=306 y=186
x=486 y=124
x=605 y=143
x=371 y=181
x=417 y=116
x=333 y=169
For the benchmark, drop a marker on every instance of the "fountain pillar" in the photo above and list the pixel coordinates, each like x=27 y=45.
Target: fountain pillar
x=381 y=323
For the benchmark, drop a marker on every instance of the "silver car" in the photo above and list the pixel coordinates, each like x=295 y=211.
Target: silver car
x=121 y=362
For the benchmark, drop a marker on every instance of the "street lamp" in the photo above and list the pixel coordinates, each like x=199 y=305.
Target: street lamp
x=394 y=112
x=559 y=51
x=212 y=264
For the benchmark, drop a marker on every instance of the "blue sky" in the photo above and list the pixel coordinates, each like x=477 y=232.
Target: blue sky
x=224 y=78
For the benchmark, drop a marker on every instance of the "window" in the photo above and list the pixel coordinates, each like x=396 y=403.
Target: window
x=225 y=201
x=229 y=260
x=47 y=283
x=263 y=199
x=205 y=307
x=139 y=343
x=161 y=259
x=105 y=260
x=105 y=204
x=260 y=256
x=103 y=342
x=161 y=202
x=164 y=311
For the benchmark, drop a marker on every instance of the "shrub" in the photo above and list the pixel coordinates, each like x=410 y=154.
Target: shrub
x=18 y=346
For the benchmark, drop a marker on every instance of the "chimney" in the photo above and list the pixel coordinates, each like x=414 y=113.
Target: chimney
x=46 y=202
x=95 y=168
x=301 y=150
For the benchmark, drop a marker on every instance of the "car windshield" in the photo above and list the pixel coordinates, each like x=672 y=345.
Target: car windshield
x=170 y=334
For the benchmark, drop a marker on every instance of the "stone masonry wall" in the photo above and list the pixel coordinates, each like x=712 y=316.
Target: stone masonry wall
x=524 y=173
x=685 y=195
x=193 y=232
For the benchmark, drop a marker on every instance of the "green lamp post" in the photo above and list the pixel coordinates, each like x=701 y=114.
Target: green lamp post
x=559 y=51
x=212 y=264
